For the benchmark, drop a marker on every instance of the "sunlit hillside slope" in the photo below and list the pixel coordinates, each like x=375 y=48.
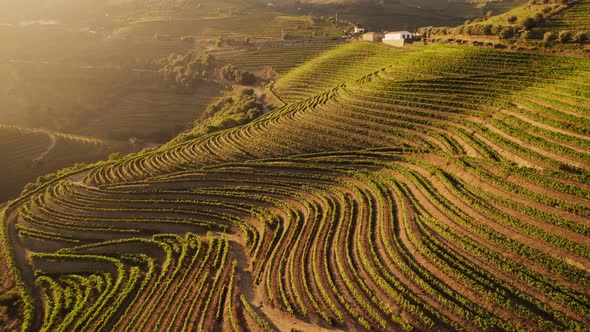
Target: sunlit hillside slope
x=447 y=191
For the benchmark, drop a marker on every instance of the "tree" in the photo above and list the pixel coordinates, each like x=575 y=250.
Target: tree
x=458 y=30
x=580 y=37
x=184 y=71
x=564 y=36
x=219 y=41
x=115 y=156
x=528 y=23
x=496 y=29
x=229 y=73
x=246 y=78
x=506 y=33
x=512 y=19
x=525 y=35
x=477 y=30
x=549 y=36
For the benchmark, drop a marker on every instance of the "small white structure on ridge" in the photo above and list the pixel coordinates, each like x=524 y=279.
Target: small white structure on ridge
x=393 y=35
x=397 y=38
x=359 y=29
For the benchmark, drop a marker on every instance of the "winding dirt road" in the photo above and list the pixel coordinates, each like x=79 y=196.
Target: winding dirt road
x=52 y=141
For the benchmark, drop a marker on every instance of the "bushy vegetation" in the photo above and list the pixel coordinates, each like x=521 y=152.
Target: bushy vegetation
x=186 y=71
x=528 y=22
x=230 y=111
x=232 y=74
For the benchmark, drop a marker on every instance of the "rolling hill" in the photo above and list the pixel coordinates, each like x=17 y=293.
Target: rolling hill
x=31 y=153
x=439 y=187
x=546 y=25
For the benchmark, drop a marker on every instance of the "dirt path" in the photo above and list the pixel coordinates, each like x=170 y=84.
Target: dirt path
x=255 y=294
x=260 y=98
x=52 y=141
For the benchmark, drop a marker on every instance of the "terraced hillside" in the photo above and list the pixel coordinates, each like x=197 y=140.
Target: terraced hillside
x=347 y=62
x=278 y=56
x=572 y=19
x=28 y=154
x=447 y=191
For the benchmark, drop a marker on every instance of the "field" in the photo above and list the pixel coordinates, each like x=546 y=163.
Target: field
x=279 y=57
x=344 y=63
x=28 y=154
x=435 y=188
x=526 y=26
x=95 y=75
x=573 y=19
x=402 y=14
x=100 y=101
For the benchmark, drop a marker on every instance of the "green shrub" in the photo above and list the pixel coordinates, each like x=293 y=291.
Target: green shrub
x=512 y=19
x=564 y=36
x=580 y=37
x=528 y=23
x=549 y=36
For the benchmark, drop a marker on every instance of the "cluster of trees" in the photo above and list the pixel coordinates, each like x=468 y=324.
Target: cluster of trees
x=186 y=71
x=515 y=26
x=237 y=109
x=232 y=74
x=503 y=32
x=566 y=37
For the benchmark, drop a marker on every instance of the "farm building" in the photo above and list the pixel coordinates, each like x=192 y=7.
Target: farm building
x=359 y=29
x=397 y=38
x=373 y=36
x=392 y=35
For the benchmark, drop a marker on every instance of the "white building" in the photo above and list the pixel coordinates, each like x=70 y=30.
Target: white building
x=397 y=38
x=397 y=35
x=359 y=29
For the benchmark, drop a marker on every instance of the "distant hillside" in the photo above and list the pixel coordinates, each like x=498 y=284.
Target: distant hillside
x=399 y=14
x=100 y=101
x=548 y=24
x=576 y=18
x=29 y=153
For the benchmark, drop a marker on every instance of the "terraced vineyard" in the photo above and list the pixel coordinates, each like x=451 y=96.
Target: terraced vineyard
x=28 y=154
x=341 y=64
x=572 y=19
x=280 y=57
x=447 y=191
